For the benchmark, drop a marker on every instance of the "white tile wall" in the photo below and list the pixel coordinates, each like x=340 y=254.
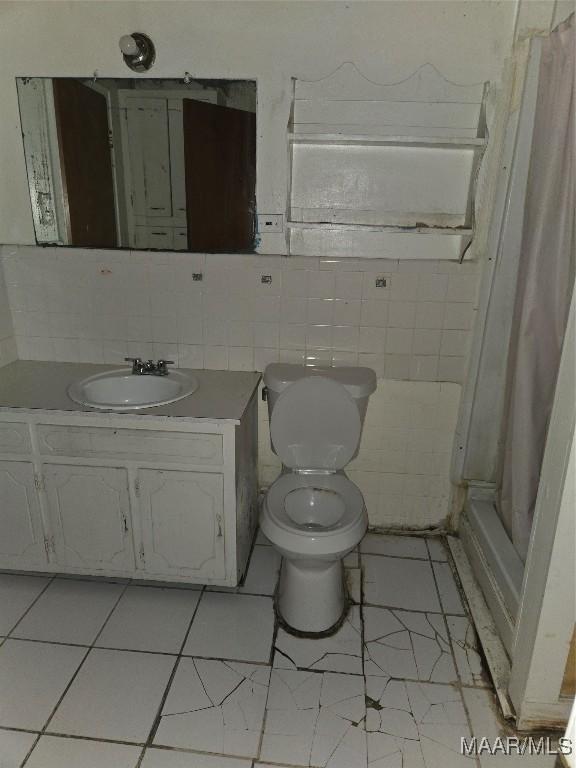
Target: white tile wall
x=402 y=467
x=99 y=306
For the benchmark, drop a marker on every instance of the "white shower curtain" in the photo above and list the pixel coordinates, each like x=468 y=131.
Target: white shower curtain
x=545 y=284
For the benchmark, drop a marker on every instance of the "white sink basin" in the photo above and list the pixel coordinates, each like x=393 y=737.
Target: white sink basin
x=121 y=390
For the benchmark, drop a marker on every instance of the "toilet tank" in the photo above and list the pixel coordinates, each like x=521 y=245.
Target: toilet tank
x=360 y=382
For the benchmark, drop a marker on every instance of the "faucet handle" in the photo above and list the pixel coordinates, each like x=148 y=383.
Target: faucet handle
x=162 y=366
x=136 y=363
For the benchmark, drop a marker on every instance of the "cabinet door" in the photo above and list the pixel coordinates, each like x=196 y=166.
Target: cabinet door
x=21 y=534
x=182 y=523
x=90 y=517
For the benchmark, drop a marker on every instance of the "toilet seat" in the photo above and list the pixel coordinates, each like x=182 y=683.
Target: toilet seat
x=314 y=505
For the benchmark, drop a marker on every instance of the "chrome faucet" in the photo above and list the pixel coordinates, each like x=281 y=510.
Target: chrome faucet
x=149 y=367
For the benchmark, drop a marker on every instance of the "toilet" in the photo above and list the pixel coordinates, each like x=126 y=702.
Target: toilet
x=312 y=513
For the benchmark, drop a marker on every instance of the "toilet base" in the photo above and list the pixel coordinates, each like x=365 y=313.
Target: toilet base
x=311 y=595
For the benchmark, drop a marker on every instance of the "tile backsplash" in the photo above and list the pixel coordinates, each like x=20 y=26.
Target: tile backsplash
x=408 y=320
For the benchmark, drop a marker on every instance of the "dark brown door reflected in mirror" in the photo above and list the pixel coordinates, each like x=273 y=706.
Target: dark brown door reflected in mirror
x=147 y=164
x=86 y=164
x=220 y=162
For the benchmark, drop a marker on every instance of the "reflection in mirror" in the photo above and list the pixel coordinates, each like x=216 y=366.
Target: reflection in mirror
x=141 y=163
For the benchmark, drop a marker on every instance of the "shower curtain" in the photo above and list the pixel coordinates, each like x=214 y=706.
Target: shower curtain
x=544 y=288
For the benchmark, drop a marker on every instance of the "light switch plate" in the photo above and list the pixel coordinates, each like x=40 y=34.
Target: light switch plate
x=270 y=222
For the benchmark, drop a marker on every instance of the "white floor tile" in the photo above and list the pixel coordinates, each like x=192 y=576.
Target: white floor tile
x=466 y=651
x=215 y=706
x=150 y=619
x=33 y=676
x=58 y=752
x=407 y=645
x=342 y=652
x=517 y=761
x=17 y=593
x=115 y=696
x=14 y=747
x=395 y=546
x=230 y=626
x=263 y=571
x=482 y=711
x=168 y=758
x=399 y=583
x=449 y=593
x=353 y=578
x=416 y=725
x=315 y=719
x=437 y=549
x=352 y=559
x=70 y=612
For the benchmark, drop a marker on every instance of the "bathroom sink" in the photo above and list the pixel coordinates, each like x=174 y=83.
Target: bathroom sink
x=121 y=390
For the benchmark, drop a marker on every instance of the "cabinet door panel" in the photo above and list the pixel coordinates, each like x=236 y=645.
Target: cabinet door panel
x=21 y=535
x=90 y=517
x=182 y=522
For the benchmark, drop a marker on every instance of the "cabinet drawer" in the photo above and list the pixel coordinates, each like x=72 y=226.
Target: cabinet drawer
x=148 y=445
x=14 y=438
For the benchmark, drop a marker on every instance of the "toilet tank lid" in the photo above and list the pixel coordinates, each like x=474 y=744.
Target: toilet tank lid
x=359 y=381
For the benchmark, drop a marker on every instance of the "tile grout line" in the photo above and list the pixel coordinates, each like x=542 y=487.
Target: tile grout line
x=458 y=685
x=32 y=604
x=158 y=717
x=74 y=676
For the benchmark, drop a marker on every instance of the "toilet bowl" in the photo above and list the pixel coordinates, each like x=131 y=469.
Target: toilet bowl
x=313 y=514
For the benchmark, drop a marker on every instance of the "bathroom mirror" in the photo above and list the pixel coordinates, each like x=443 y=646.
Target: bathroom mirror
x=141 y=163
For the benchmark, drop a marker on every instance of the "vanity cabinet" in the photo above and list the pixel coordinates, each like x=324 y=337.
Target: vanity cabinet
x=157 y=497
x=89 y=517
x=182 y=517
x=22 y=543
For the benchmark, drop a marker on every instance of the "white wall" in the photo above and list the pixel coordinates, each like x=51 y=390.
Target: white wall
x=267 y=41
x=99 y=306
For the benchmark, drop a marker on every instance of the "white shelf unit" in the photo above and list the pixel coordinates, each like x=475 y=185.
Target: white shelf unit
x=385 y=171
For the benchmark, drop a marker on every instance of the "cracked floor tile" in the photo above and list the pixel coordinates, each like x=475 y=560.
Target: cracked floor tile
x=397 y=583
x=400 y=644
x=414 y=725
x=342 y=652
x=215 y=706
x=395 y=546
x=353 y=578
x=315 y=720
x=466 y=651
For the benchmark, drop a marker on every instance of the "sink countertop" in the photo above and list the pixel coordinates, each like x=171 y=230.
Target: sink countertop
x=42 y=385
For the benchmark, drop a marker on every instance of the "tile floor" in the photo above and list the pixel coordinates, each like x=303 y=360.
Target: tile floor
x=101 y=674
